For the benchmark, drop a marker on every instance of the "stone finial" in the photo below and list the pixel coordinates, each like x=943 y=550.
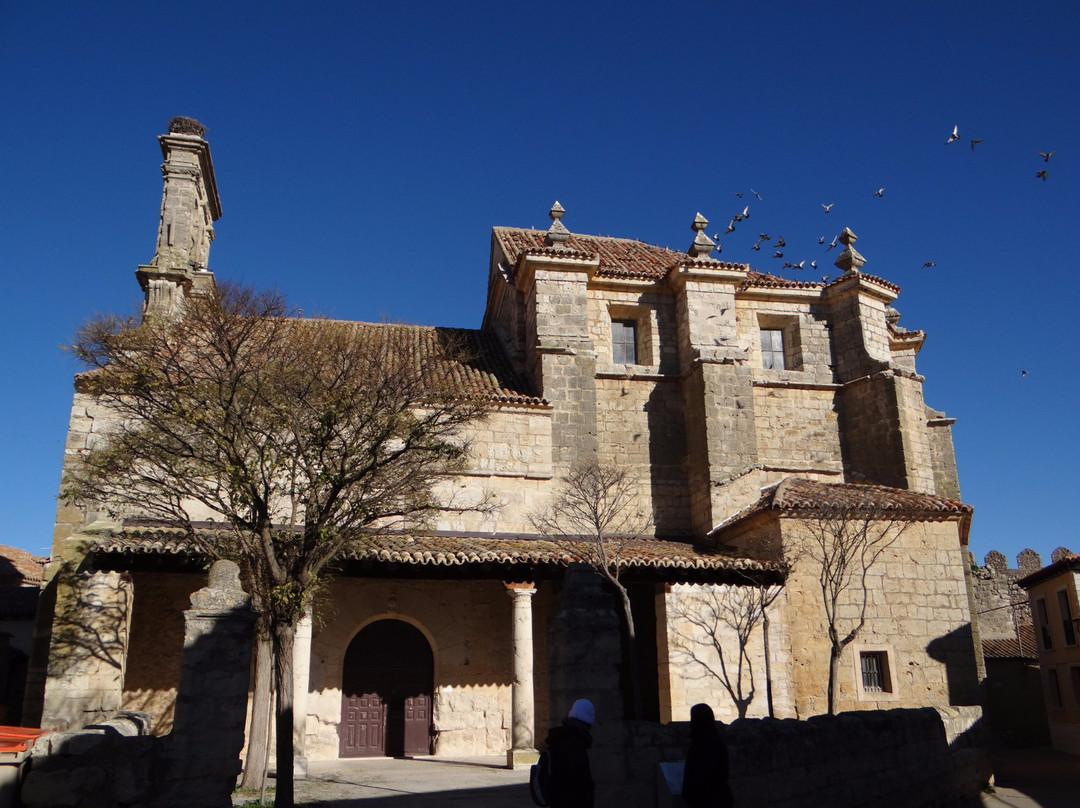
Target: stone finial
x=557 y=234
x=892 y=316
x=186 y=126
x=849 y=259
x=702 y=245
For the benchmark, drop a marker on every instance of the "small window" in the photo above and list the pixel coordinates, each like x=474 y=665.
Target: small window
x=875 y=672
x=1044 y=625
x=624 y=342
x=1067 y=624
x=772 y=349
x=1074 y=676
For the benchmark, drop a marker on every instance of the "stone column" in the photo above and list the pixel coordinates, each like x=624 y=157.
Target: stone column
x=301 y=680
x=522 y=750
x=202 y=754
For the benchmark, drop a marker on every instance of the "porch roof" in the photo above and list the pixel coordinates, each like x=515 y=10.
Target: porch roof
x=452 y=554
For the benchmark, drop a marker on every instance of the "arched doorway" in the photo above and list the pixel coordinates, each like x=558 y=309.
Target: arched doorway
x=387 y=682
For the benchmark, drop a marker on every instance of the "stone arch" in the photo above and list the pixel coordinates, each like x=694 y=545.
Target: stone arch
x=387 y=690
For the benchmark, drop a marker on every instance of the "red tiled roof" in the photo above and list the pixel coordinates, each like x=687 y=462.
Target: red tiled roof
x=618 y=257
x=483 y=368
x=1010 y=647
x=765 y=281
x=15 y=562
x=800 y=494
x=441 y=550
x=1061 y=565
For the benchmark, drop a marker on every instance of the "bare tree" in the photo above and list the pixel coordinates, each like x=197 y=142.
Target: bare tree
x=845 y=539
x=595 y=516
x=301 y=435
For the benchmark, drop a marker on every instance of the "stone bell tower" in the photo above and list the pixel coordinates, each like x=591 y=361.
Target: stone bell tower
x=189 y=208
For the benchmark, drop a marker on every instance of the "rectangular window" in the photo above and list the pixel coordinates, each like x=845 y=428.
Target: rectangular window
x=772 y=349
x=875 y=672
x=1044 y=625
x=1053 y=692
x=624 y=342
x=1067 y=624
x=1074 y=677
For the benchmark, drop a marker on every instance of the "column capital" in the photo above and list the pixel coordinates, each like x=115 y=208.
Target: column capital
x=519 y=588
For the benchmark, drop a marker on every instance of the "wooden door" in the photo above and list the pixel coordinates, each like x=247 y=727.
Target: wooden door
x=386 y=692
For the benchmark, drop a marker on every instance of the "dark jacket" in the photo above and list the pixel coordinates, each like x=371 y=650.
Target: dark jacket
x=705 y=779
x=569 y=746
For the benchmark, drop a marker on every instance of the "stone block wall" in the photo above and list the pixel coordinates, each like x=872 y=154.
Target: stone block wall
x=918 y=615
x=1001 y=605
x=889 y=759
x=797 y=426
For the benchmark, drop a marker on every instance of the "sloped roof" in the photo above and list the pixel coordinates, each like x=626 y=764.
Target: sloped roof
x=618 y=257
x=1069 y=562
x=1010 y=647
x=441 y=550
x=798 y=494
x=479 y=367
x=16 y=563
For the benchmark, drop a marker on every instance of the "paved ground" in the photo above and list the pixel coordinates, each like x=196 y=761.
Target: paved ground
x=1030 y=778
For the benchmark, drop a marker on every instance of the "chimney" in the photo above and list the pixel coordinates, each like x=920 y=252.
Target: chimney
x=189 y=208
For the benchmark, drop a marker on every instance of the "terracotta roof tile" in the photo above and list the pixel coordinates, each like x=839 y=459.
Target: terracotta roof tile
x=800 y=494
x=1061 y=565
x=484 y=369
x=1010 y=647
x=618 y=257
x=17 y=563
x=439 y=550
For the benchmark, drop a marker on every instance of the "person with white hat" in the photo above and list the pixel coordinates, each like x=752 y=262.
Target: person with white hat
x=569 y=747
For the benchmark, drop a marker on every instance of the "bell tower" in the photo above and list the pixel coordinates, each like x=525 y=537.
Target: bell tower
x=189 y=208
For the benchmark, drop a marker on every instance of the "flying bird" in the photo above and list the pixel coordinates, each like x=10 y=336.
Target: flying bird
x=1046 y=155
x=730 y=227
x=777 y=254
x=1023 y=373
x=763 y=236
x=799 y=265
x=780 y=242
x=737 y=193
x=832 y=243
x=955 y=136
x=1042 y=175
x=755 y=193
x=974 y=141
x=879 y=192
x=813 y=265
x=821 y=239
x=756 y=245
x=929 y=264
x=827 y=207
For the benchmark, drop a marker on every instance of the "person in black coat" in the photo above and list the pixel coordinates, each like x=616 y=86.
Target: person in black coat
x=705 y=779
x=569 y=745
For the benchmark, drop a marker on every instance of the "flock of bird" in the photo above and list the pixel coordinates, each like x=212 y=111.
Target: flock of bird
x=780 y=244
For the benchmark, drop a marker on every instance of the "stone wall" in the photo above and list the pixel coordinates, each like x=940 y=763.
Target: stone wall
x=467 y=624
x=1002 y=606
x=889 y=759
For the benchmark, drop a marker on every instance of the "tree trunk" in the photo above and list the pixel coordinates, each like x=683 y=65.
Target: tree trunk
x=834 y=665
x=284 y=636
x=258 y=739
x=768 y=662
x=631 y=649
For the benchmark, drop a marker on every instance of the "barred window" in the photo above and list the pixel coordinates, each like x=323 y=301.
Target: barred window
x=875 y=668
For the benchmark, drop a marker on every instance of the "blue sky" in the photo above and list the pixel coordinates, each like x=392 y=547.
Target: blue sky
x=364 y=150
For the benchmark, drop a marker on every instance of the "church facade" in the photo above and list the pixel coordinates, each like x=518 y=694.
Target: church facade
x=744 y=405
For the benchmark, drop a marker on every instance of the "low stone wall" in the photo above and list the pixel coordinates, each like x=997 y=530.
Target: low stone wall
x=887 y=758
x=107 y=765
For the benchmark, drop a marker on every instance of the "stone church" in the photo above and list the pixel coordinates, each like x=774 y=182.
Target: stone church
x=745 y=405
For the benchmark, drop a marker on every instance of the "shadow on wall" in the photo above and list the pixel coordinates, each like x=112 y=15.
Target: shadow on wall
x=957 y=651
